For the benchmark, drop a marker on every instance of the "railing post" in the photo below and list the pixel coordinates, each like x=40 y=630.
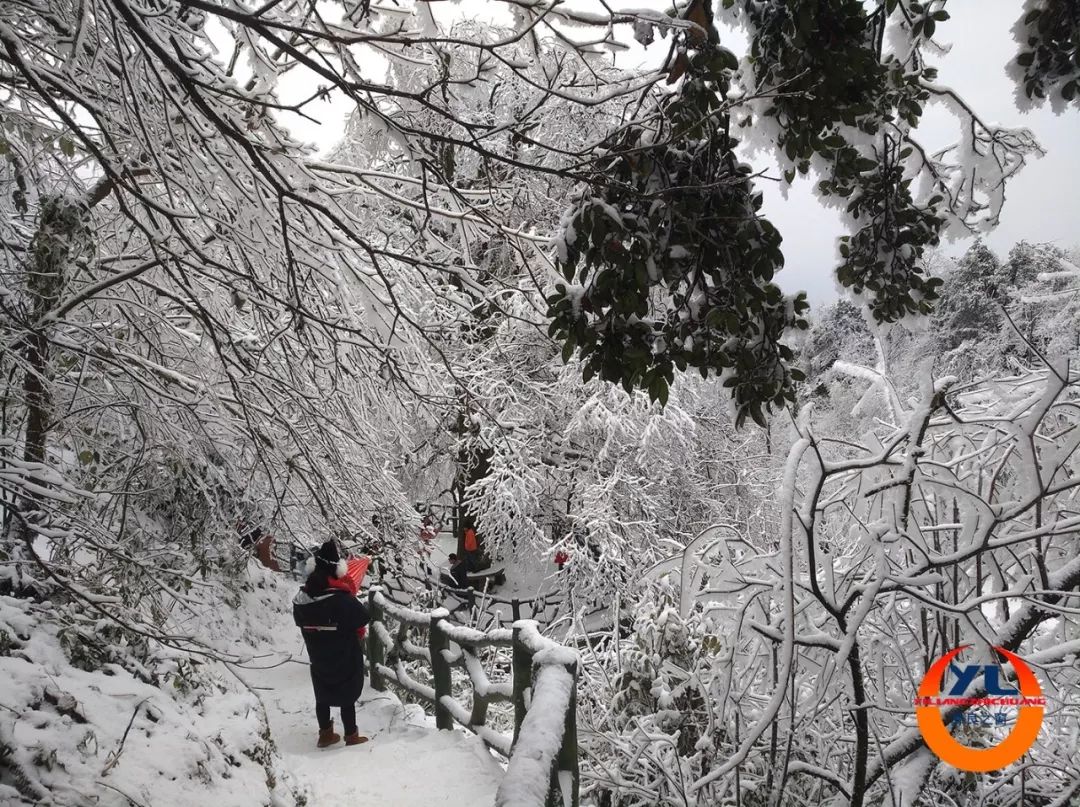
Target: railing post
x=568 y=752
x=522 y=669
x=515 y=608
x=440 y=672
x=374 y=645
x=478 y=716
x=566 y=761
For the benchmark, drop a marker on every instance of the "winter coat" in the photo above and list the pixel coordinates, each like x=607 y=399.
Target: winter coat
x=459 y=575
x=351 y=585
x=329 y=621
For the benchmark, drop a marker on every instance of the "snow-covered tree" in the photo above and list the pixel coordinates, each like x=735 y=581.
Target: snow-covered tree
x=953 y=527
x=664 y=270
x=177 y=110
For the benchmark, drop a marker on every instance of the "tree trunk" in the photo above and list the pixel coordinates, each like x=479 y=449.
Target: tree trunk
x=59 y=240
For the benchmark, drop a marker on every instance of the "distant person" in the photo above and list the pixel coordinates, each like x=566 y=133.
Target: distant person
x=583 y=539
x=561 y=558
x=297 y=560
x=428 y=530
x=329 y=616
x=472 y=549
x=458 y=571
x=428 y=533
x=257 y=540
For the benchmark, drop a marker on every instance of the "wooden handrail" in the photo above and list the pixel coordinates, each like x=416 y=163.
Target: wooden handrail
x=545 y=727
x=545 y=608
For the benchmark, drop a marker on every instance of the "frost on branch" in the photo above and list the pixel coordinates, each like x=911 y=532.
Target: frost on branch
x=957 y=526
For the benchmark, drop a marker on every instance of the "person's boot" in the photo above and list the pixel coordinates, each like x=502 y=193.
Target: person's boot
x=355 y=738
x=327 y=736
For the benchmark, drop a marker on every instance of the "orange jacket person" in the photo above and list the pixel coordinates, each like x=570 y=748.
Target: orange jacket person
x=471 y=549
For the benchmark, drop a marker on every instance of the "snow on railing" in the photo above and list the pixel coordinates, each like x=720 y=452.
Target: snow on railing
x=542 y=767
x=400 y=587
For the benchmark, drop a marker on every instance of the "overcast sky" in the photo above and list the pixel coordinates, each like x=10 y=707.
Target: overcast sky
x=1043 y=201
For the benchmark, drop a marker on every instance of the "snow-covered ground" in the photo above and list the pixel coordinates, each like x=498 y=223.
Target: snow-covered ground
x=89 y=719
x=85 y=720
x=407 y=763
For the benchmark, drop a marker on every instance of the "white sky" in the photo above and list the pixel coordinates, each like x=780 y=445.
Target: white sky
x=1042 y=202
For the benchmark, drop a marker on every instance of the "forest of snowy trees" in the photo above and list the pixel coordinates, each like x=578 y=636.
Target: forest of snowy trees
x=540 y=285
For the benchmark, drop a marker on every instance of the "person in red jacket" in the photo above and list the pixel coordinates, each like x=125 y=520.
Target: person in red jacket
x=472 y=550
x=257 y=540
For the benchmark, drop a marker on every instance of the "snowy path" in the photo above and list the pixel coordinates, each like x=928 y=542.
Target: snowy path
x=407 y=763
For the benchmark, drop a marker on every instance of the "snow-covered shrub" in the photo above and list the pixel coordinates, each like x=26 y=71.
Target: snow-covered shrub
x=657 y=707
x=94 y=718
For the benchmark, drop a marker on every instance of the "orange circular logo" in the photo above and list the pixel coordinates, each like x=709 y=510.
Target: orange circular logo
x=1029 y=701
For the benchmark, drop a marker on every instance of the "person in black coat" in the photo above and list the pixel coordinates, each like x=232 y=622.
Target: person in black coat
x=329 y=617
x=459 y=575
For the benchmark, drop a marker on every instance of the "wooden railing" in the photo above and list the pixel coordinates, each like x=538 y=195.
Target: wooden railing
x=542 y=768
x=480 y=606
